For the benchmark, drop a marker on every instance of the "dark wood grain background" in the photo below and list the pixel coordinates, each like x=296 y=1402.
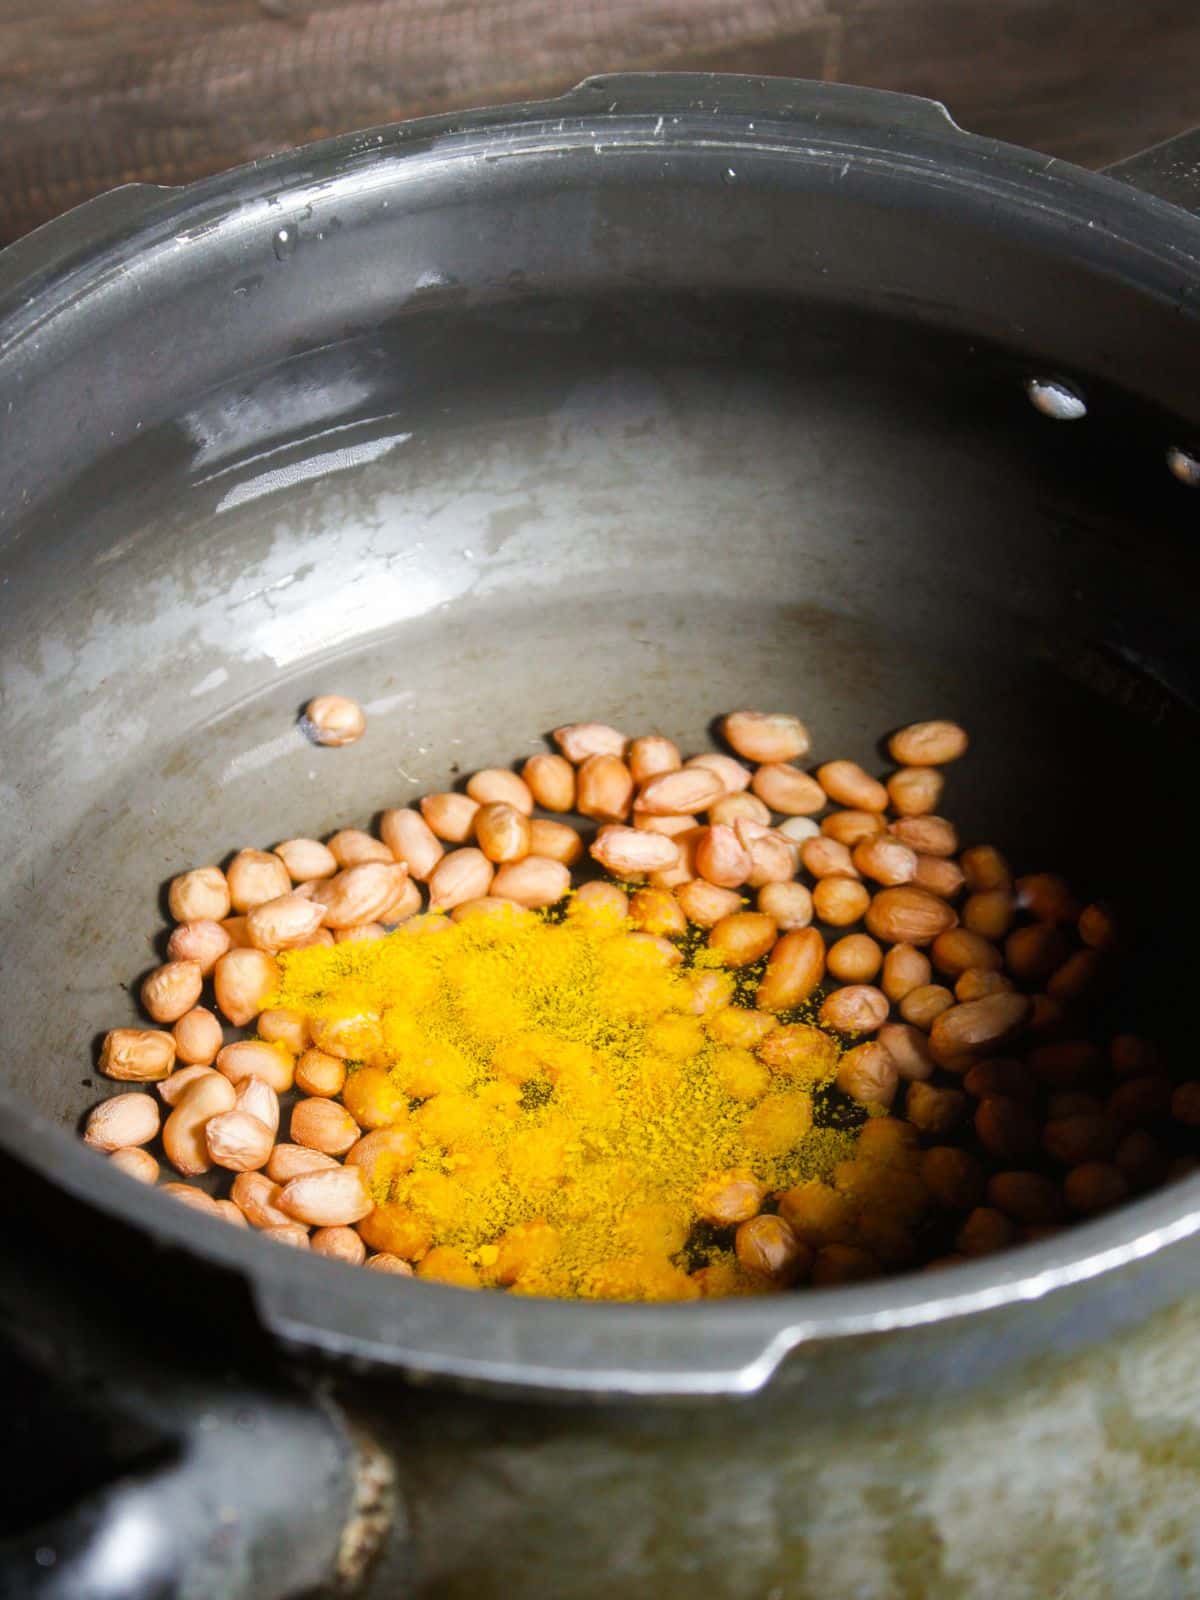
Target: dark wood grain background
x=99 y=92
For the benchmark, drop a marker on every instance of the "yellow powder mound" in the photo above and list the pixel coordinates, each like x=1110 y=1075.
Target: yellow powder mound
x=568 y=1093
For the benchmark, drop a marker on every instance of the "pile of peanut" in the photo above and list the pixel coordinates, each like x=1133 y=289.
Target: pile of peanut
x=961 y=994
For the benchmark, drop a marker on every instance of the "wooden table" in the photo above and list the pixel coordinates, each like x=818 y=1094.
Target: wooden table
x=99 y=92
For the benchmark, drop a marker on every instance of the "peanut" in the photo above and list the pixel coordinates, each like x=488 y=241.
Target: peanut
x=976 y=982
x=1032 y=954
x=908 y=915
x=767 y=1247
x=318 y=1073
x=498 y=786
x=652 y=754
x=773 y=859
x=928 y=836
x=557 y=841
x=1078 y=973
x=285 y=923
x=957 y=950
x=628 y=853
x=294 y=1234
x=790 y=904
x=242 y=981
x=384 y=1154
x=202 y=942
x=172 y=1089
x=194 y=1199
x=333 y=719
x=885 y=860
x=849 y=785
x=827 y=858
x=551 y=781
x=1047 y=898
x=963 y=1032
x=799 y=1051
x=237 y=1140
x=599 y=900
x=450 y=817
x=729 y=1197
x=908 y=1048
x=934 y=1111
x=198 y=1037
x=839 y=902
x=985 y=868
x=1011 y=1079
x=922 y=1005
x=359 y=894
x=373 y=1099
x=939 y=876
x=461 y=875
x=854 y=959
x=289 y=1160
x=172 y=989
x=254 y=1058
x=868 y=1074
x=339 y=1244
x=989 y=912
x=124 y=1121
x=137 y=1163
x=928 y=744
x=705 y=903
x=953 y=1177
x=857 y=1008
x=657 y=911
x=1097 y=927
x=255 y=876
x=288 y=1028
x=852 y=827
x=503 y=832
x=350 y=847
x=604 y=789
x=765 y=736
x=201 y=895
x=333 y=1197
x=788 y=790
x=905 y=968
x=257 y=1198
x=743 y=938
x=183 y=1132
x=306 y=859
x=137 y=1055
x=984 y=1232
x=256 y=1097
x=794 y=968
x=1094 y=1186
x=732 y=806
x=579 y=740
x=679 y=793
x=914 y=791
x=732 y=773
x=1006 y=1128
x=671 y=826
x=384 y=1261
x=323 y=1125
x=1025 y=1196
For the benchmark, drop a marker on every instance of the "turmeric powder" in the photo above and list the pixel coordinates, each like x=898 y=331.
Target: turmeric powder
x=569 y=1096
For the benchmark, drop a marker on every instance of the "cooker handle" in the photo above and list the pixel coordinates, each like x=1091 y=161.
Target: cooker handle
x=1170 y=170
x=652 y=93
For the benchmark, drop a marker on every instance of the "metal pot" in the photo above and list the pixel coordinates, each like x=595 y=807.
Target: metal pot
x=673 y=394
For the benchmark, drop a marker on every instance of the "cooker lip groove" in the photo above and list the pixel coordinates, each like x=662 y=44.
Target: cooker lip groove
x=607 y=1351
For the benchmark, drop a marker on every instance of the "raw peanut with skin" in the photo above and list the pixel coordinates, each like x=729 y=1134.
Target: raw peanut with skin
x=1097 y=928
x=172 y=1089
x=842 y=1263
x=139 y=1164
x=924 y=1004
x=124 y=1121
x=294 y=1234
x=242 y=981
x=854 y=959
x=384 y=1153
x=705 y=903
x=384 y=1261
x=1025 y=1196
x=953 y=1177
x=359 y=894
x=349 y=847
x=794 y=968
x=989 y=912
x=137 y=1055
x=975 y=983
x=256 y=1097
x=172 y=989
x=743 y=938
x=255 y=876
x=306 y=860
x=373 y=1099
x=579 y=740
x=503 y=833
x=405 y=903
x=557 y=841
x=488 y=905
x=1010 y=1079
x=289 y=1028
x=963 y=1033
x=333 y=1197
x=235 y=931
x=464 y=874
x=1078 y=973
x=765 y=736
x=927 y=836
x=905 y=968
x=652 y=754
x=936 y=1112
x=729 y=1197
x=1064 y=1103
x=629 y=854
x=288 y=1161
x=604 y=789
x=957 y=950
x=334 y=720
x=551 y=781
x=885 y=860
x=1094 y=1186
x=284 y=923
x=352 y=1038
x=599 y=899
x=1006 y=1128
x=799 y=829
x=257 y=1198
x=671 y=826
x=939 y=875
x=789 y=790
x=908 y=915
x=1141 y=1160
x=840 y=902
x=928 y=744
x=985 y=868
x=318 y=1073
x=849 y=785
x=196 y=1199
x=852 y=827
x=201 y=895
x=721 y=857
x=818 y=1213
x=908 y=1048
x=799 y=1051
x=742 y=1029
x=339 y=1244
x=1090 y=1136
x=790 y=904
x=183 y=1133
x=889 y=1143
x=773 y=859
x=238 y=1141
x=984 y=1232
x=732 y=806
x=670 y=955
x=858 y=1008
x=198 y=1037
x=202 y=942
x=684 y=868
x=657 y=911
x=323 y=1125
x=254 y=1058
x=732 y=774
x=914 y=791
x=450 y=817
x=1131 y=1056
x=1034 y=953
x=1066 y=1064
x=868 y=1075
x=498 y=786
x=680 y=793
x=827 y=858
x=767 y=1247
x=1047 y=897
x=1149 y=1099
